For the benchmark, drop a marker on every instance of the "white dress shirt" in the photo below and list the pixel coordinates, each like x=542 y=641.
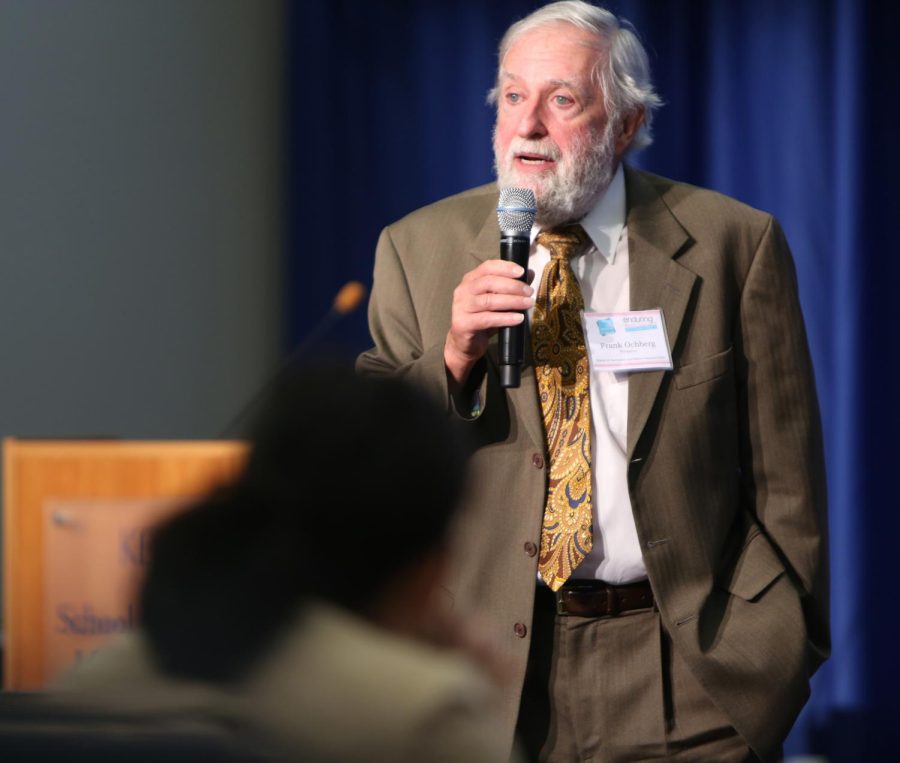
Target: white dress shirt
x=602 y=274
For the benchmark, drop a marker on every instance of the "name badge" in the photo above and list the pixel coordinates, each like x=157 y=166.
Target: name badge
x=632 y=341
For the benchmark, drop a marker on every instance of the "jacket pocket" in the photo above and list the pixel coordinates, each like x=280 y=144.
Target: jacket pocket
x=758 y=566
x=703 y=370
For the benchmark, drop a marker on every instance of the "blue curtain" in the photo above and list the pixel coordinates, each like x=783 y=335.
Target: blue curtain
x=785 y=105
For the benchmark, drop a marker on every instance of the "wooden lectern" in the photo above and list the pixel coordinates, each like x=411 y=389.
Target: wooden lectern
x=75 y=521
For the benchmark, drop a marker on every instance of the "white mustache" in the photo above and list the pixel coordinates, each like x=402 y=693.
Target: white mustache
x=545 y=148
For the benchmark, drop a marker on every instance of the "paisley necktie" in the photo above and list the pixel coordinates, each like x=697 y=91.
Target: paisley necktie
x=561 y=368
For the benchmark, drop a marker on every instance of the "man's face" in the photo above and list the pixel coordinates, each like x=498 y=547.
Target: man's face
x=553 y=134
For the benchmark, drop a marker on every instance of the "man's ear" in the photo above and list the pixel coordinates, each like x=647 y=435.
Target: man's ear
x=628 y=128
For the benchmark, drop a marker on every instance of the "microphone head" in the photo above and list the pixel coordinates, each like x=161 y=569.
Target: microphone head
x=349 y=297
x=516 y=211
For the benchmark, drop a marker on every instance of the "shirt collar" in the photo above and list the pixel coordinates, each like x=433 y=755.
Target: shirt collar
x=606 y=219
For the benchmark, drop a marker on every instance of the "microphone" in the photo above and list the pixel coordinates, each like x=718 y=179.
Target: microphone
x=349 y=297
x=515 y=214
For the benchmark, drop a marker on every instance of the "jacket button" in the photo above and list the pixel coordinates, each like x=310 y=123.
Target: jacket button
x=520 y=630
x=530 y=548
x=538 y=460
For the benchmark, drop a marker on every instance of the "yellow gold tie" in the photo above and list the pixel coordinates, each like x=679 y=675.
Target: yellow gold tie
x=561 y=368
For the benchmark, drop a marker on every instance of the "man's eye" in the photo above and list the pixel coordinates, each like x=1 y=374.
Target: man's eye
x=513 y=97
x=562 y=100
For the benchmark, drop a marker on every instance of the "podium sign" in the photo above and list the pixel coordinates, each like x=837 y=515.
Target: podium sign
x=76 y=523
x=95 y=553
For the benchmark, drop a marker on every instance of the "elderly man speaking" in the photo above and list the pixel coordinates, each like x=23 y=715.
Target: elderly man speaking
x=645 y=536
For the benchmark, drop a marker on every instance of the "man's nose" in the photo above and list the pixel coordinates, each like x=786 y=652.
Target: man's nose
x=531 y=124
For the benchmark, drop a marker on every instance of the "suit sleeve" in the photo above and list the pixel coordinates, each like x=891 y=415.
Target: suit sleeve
x=394 y=325
x=782 y=457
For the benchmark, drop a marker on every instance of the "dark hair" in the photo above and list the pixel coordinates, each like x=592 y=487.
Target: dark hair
x=348 y=482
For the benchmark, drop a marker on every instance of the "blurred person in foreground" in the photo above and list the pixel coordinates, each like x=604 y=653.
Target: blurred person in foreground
x=298 y=601
x=647 y=545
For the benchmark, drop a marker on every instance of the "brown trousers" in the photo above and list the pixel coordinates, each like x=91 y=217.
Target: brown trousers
x=613 y=690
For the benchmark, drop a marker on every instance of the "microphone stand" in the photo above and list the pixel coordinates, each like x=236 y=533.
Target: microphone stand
x=346 y=301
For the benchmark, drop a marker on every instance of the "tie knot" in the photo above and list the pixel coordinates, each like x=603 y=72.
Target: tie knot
x=563 y=241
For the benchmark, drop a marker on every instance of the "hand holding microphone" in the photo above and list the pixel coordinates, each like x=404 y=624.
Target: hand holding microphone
x=494 y=296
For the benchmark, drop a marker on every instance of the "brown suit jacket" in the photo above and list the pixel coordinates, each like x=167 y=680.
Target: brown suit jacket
x=726 y=469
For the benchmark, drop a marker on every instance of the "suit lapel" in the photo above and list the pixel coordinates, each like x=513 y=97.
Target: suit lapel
x=654 y=238
x=486 y=246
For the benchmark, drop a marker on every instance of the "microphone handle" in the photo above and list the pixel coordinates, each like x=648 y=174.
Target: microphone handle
x=513 y=248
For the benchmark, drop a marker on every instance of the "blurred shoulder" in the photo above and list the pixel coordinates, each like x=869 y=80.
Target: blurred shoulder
x=346 y=689
x=124 y=676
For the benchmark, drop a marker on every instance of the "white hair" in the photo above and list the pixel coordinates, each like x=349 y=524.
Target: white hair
x=622 y=71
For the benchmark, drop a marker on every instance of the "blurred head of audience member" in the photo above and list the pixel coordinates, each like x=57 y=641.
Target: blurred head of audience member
x=346 y=498
x=294 y=613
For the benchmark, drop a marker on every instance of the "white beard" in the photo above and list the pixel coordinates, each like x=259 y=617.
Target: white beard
x=567 y=192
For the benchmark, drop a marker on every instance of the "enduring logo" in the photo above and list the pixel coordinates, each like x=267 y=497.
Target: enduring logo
x=606 y=326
